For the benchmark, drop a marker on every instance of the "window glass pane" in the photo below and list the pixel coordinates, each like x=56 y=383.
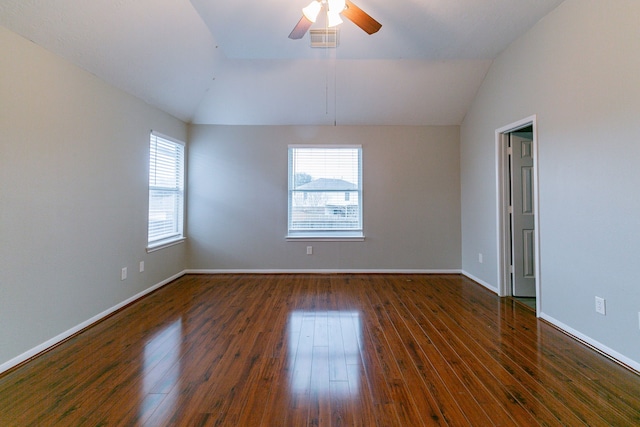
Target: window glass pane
x=166 y=189
x=325 y=192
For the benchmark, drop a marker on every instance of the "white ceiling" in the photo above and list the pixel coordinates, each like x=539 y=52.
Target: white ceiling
x=231 y=62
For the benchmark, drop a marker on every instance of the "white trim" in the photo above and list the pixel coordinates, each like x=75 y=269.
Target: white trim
x=577 y=335
x=155 y=139
x=325 y=146
x=168 y=138
x=501 y=213
x=324 y=233
x=319 y=238
x=596 y=345
x=319 y=271
x=69 y=333
x=503 y=284
x=487 y=285
x=161 y=244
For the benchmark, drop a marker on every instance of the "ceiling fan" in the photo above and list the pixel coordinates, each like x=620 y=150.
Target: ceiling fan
x=335 y=8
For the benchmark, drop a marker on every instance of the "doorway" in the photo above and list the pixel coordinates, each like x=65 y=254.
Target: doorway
x=518 y=212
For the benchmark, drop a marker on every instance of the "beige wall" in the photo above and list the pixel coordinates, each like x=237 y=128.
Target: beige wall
x=73 y=196
x=238 y=199
x=73 y=185
x=578 y=70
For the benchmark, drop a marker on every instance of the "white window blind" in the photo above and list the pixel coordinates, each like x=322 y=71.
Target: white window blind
x=325 y=191
x=166 y=190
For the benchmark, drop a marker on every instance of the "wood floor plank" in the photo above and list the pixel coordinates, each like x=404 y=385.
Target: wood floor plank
x=321 y=350
x=432 y=398
x=476 y=378
x=519 y=397
x=484 y=341
x=431 y=352
x=559 y=397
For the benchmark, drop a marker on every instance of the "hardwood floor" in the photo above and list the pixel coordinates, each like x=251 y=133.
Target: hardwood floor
x=321 y=350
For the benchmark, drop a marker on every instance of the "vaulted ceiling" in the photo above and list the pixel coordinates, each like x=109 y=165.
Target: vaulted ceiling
x=231 y=62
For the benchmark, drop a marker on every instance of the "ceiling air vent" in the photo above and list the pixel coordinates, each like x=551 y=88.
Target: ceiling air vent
x=325 y=37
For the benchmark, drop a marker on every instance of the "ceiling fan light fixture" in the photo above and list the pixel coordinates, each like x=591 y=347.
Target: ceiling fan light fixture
x=312 y=10
x=335 y=9
x=333 y=19
x=336 y=6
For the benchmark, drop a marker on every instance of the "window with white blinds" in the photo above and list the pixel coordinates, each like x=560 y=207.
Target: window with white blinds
x=166 y=190
x=325 y=191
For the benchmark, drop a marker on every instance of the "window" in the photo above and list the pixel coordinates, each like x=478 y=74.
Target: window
x=325 y=192
x=166 y=191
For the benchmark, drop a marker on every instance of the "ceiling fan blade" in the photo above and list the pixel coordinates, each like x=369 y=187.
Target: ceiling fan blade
x=300 y=29
x=361 y=18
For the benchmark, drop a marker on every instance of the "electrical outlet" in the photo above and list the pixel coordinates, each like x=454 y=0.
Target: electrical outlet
x=309 y=250
x=141 y=266
x=123 y=273
x=480 y=258
x=600 y=306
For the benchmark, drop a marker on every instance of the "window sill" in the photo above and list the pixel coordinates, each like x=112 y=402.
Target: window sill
x=156 y=246
x=325 y=237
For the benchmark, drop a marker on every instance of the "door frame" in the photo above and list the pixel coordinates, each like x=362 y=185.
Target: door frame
x=503 y=224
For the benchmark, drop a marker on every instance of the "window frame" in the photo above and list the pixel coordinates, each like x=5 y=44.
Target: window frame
x=177 y=237
x=326 y=235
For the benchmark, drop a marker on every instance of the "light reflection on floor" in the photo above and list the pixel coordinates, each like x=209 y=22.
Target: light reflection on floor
x=161 y=368
x=324 y=353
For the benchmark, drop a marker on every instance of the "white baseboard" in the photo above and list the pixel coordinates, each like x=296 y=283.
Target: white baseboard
x=596 y=345
x=481 y=282
x=66 y=334
x=317 y=271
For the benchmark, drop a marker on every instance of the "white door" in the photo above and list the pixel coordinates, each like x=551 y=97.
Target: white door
x=523 y=215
